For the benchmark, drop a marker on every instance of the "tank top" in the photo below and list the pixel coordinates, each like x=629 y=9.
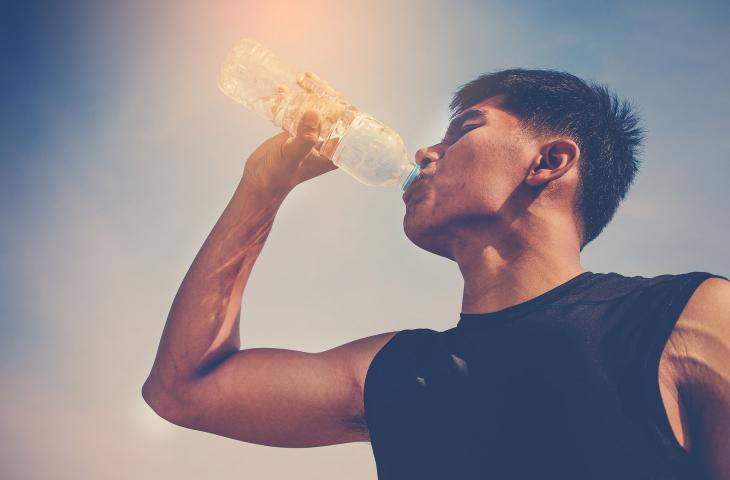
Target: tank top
x=562 y=386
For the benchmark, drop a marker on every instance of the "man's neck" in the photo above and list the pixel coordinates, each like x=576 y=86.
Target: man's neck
x=499 y=276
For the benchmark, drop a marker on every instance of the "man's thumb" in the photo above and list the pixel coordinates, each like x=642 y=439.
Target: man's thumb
x=296 y=148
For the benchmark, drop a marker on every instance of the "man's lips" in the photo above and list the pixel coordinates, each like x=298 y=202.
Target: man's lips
x=413 y=187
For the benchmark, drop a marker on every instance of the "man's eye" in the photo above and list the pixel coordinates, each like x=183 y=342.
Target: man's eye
x=464 y=129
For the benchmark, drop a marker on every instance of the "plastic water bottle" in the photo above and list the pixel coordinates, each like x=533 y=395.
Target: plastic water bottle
x=354 y=141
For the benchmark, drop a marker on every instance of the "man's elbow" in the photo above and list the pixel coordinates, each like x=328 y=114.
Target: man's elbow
x=164 y=404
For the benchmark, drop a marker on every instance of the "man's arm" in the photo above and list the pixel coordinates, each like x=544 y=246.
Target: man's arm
x=703 y=350
x=282 y=398
x=202 y=380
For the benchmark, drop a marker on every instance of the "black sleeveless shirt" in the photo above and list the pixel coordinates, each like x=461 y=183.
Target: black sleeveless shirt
x=562 y=386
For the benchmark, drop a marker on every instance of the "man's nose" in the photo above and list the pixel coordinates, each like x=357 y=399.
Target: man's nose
x=426 y=155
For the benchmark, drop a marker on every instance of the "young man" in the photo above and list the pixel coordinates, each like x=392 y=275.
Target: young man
x=552 y=371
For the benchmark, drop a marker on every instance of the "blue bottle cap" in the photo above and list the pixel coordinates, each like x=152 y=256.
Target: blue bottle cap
x=414 y=173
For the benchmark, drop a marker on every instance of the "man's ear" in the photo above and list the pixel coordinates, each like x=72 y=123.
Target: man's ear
x=554 y=159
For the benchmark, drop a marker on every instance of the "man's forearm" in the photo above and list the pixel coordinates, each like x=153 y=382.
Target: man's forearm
x=202 y=326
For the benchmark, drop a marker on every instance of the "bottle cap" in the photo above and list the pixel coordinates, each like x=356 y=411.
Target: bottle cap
x=412 y=176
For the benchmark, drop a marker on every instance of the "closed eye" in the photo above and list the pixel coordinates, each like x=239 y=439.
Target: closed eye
x=452 y=137
x=462 y=131
x=457 y=124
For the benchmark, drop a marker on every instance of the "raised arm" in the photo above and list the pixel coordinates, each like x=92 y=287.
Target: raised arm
x=202 y=380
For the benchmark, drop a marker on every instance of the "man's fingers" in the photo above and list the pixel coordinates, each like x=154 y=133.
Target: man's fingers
x=296 y=148
x=316 y=164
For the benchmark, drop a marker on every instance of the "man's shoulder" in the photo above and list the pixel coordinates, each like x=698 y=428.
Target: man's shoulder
x=643 y=289
x=668 y=288
x=706 y=314
x=699 y=345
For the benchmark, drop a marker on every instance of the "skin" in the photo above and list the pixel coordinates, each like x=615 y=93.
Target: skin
x=510 y=228
x=498 y=200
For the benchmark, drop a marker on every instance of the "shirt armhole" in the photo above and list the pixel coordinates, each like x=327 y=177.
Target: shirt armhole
x=665 y=320
x=373 y=374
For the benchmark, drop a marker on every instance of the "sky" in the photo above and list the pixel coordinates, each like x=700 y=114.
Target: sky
x=118 y=153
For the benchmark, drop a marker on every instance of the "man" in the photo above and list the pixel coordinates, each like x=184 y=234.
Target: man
x=552 y=371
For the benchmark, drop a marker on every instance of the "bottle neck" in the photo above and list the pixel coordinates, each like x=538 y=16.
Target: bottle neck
x=408 y=178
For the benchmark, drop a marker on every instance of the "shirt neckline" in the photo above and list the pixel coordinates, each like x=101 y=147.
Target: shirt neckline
x=483 y=319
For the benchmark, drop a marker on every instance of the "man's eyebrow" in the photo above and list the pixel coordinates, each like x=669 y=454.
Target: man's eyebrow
x=467 y=115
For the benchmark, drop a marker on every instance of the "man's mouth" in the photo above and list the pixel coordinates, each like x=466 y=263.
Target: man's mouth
x=413 y=187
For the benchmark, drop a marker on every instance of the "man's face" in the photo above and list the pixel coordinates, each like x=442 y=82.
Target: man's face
x=468 y=179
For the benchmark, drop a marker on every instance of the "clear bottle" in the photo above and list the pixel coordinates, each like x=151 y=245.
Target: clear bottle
x=356 y=142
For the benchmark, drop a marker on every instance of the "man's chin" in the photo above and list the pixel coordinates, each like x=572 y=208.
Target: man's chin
x=412 y=228
x=425 y=236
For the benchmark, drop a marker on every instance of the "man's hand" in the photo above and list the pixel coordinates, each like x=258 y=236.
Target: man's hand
x=282 y=162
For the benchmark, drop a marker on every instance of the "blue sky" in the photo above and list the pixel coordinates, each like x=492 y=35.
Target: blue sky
x=118 y=153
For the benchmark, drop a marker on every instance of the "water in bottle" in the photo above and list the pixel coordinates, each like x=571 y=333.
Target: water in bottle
x=355 y=141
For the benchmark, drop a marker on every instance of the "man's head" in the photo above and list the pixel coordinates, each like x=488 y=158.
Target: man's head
x=525 y=148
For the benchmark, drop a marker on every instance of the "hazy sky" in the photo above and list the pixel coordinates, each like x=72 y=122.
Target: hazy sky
x=118 y=153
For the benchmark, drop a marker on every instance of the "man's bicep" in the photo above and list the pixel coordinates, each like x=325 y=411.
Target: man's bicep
x=276 y=397
x=285 y=398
